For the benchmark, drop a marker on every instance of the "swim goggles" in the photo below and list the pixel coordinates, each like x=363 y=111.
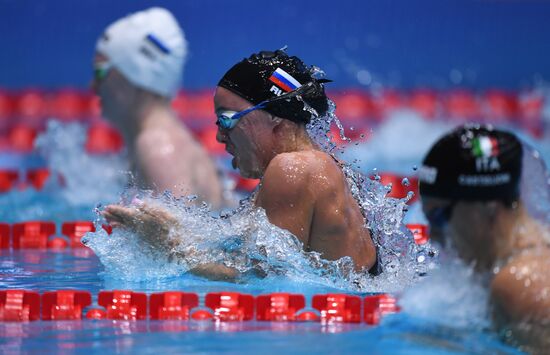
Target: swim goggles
x=439 y=217
x=101 y=70
x=229 y=119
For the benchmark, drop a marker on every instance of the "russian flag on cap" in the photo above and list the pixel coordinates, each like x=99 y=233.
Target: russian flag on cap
x=284 y=80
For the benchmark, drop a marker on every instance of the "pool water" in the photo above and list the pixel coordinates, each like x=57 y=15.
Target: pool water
x=47 y=270
x=444 y=313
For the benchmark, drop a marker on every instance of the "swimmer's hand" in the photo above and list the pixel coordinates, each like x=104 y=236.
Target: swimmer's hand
x=152 y=224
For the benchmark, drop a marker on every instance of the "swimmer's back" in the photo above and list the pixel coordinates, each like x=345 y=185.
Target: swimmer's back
x=306 y=193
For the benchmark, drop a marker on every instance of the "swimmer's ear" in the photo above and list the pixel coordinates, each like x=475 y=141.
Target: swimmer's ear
x=279 y=126
x=277 y=123
x=276 y=120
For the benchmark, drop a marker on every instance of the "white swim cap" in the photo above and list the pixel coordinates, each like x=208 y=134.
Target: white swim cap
x=149 y=48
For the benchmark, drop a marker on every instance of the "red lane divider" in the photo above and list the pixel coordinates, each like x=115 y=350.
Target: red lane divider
x=425 y=102
x=500 y=106
x=23 y=305
x=340 y=308
x=462 y=105
x=308 y=316
x=31 y=106
x=107 y=228
x=231 y=306
x=68 y=105
x=58 y=243
x=96 y=313
x=247 y=184
x=125 y=305
x=279 y=306
x=420 y=232
x=374 y=307
x=103 y=139
x=76 y=230
x=4 y=236
x=19 y=306
x=33 y=177
x=64 y=304
x=8 y=179
x=33 y=235
x=400 y=189
x=360 y=108
x=41 y=235
x=21 y=138
x=172 y=305
x=38 y=177
x=6 y=105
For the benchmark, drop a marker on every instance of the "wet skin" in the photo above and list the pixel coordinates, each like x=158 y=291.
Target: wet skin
x=303 y=190
x=504 y=240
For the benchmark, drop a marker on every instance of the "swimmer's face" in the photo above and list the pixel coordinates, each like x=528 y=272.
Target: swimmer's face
x=469 y=227
x=114 y=91
x=251 y=141
x=438 y=212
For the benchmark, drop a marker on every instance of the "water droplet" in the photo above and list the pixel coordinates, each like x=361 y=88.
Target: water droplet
x=405 y=182
x=415 y=168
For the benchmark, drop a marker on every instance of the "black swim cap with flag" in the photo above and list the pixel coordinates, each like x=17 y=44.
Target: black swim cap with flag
x=475 y=163
x=267 y=75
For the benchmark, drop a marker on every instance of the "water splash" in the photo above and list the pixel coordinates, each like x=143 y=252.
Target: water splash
x=535 y=185
x=86 y=179
x=400 y=142
x=245 y=240
x=453 y=295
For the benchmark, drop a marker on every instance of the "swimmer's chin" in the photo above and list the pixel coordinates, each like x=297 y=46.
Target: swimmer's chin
x=249 y=174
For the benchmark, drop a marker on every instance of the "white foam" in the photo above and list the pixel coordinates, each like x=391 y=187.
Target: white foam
x=451 y=295
x=87 y=179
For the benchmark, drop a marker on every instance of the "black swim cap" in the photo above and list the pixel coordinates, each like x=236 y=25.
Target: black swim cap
x=475 y=163
x=267 y=75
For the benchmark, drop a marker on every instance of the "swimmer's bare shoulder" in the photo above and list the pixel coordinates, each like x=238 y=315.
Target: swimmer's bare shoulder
x=293 y=184
x=171 y=159
x=286 y=195
x=521 y=294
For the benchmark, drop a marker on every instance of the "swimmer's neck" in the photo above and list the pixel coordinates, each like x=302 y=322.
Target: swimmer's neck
x=292 y=137
x=151 y=112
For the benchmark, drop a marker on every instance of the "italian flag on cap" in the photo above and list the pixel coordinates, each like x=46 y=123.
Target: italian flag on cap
x=485 y=147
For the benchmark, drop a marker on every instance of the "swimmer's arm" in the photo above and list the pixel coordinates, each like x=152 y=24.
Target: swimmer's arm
x=285 y=196
x=216 y=272
x=521 y=295
x=153 y=226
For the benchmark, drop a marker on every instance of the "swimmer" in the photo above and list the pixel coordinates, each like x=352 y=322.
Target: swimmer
x=262 y=121
x=137 y=71
x=469 y=185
